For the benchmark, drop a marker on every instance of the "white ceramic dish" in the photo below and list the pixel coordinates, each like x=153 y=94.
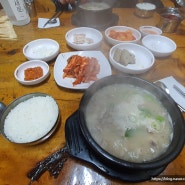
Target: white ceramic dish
x=159 y=45
x=149 y=30
x=144 y=58
x=61 y=62
x=112 y=41
x=92 y=38
x=19 y=72
x=41 y=49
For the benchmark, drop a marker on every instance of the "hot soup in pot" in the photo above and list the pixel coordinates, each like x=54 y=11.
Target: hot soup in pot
x=129 y=122
x=95 y=6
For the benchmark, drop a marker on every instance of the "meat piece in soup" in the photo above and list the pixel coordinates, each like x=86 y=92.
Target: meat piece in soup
x=129 y=122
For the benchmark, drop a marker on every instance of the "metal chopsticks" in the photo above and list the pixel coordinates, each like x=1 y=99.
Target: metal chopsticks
x=60 y=8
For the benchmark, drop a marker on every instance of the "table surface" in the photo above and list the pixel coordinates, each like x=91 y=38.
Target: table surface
x=17 y=160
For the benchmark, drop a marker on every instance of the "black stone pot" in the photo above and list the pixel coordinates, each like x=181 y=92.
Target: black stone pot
x=81 y=145
x=95 y=18
x=177 y=120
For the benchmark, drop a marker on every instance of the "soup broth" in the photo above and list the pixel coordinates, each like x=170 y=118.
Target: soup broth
x=129 y=122
x=94 y=6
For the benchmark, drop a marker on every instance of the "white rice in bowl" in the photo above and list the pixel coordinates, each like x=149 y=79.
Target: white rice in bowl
x=146 y=6
x=31 y=120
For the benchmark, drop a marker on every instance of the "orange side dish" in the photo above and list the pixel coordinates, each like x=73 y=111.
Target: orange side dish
x=122 y=35
x=84 y=69
x=33 y=73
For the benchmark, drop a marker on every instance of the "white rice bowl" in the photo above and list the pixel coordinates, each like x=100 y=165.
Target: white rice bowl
x=31 y=120
x=145 y=6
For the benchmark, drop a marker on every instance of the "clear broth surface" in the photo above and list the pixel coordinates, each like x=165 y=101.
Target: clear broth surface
x=94 y=6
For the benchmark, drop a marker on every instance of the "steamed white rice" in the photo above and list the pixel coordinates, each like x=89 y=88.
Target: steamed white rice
x=32 y=119
x=146 y=6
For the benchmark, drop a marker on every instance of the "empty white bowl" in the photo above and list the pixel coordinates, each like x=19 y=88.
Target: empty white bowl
x=41 y=49
x=84 y=38
x=19 y=72
x=149 y=30
x=112 y=41
x=159 y=45
x=144 y=59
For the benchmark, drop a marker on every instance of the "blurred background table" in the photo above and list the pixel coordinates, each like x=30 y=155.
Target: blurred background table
x=17 y=160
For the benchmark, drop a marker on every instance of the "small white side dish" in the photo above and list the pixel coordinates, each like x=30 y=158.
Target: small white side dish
x=159 y=45
x=19 y=72
x=149 y=30
x=41 y=49
x=91 y=40
x=144 y=59
x=112 y=41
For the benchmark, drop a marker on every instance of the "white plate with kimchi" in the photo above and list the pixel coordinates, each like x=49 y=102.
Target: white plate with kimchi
x=79 y=69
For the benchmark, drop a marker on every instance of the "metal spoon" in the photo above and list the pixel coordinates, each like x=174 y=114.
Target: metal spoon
x=53 y=21
x=163 y=87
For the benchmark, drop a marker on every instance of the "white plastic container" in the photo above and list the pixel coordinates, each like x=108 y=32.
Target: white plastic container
x=16 y=11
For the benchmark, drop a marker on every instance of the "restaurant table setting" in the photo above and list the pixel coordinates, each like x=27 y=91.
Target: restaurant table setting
x=58 y=63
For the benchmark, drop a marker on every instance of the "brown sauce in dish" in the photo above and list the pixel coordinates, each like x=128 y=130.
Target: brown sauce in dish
x=33 y=73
